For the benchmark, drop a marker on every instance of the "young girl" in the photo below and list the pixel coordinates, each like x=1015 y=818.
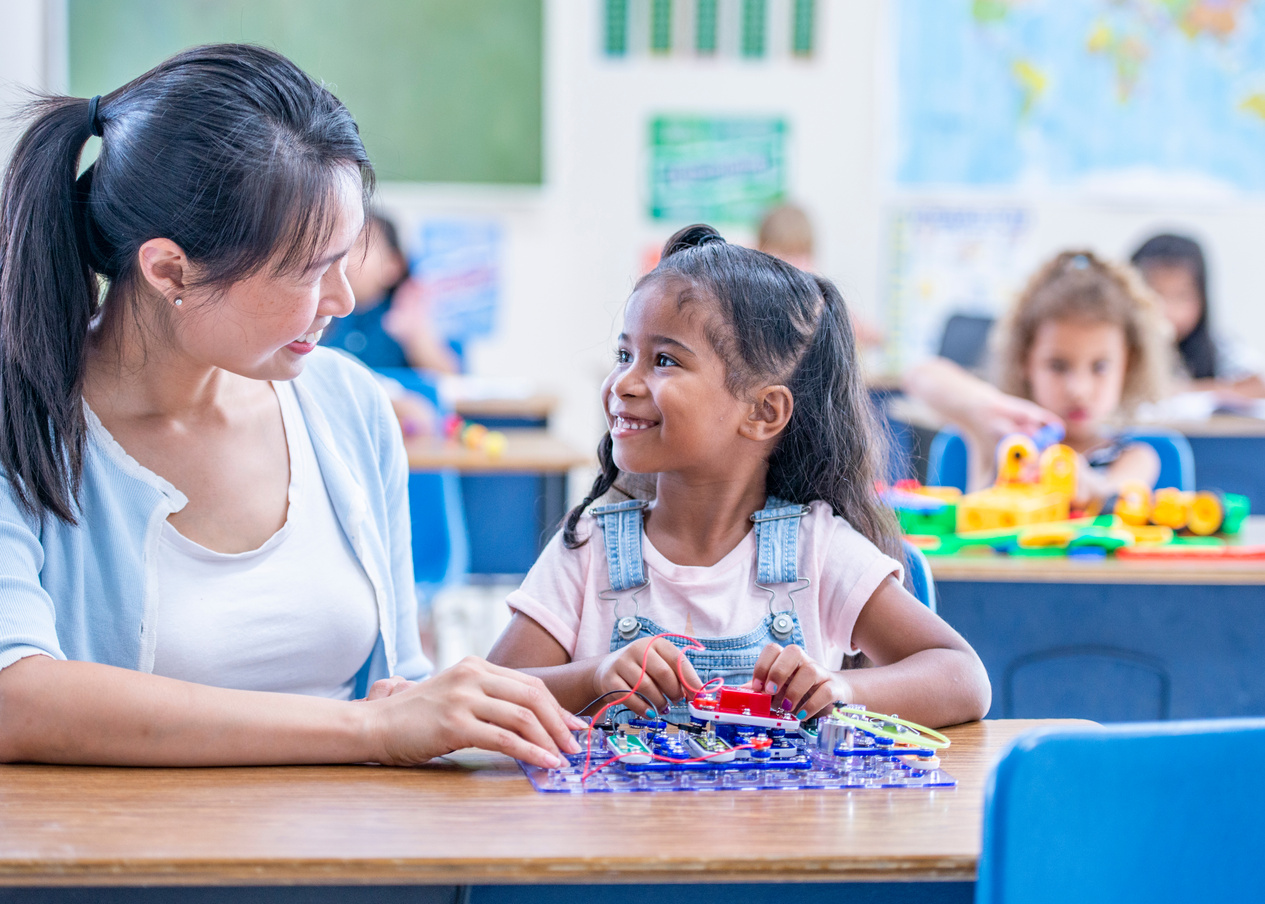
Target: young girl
x=1081 y=346
x=1175 y=268
x=735 y=385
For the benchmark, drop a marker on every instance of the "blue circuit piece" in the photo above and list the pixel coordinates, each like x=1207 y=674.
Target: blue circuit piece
x=868 y=765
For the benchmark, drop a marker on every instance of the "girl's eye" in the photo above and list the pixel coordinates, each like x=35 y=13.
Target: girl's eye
x=622 y=356
x=1059 y=367
x=662 y=360
x=1100 y=367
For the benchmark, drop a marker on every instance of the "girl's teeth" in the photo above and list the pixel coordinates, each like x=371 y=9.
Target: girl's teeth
x=628 y=425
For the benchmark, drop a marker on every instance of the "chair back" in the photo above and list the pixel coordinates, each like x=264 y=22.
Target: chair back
x=921 y=582
x=1138 y=812
x=1177 y=461
x=946 y=460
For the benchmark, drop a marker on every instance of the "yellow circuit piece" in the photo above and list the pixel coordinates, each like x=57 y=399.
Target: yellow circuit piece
x=1207 y=513
x=1016 y=460
x=1047 y=536
x=1058 y=470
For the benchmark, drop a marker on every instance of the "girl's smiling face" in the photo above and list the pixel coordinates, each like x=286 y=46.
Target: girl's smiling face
x=667 y=405
x=1076 y=369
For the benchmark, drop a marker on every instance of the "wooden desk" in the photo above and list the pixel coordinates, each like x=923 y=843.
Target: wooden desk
x=373 y=825
x=526 y=451
x=534 y=408
x=512 y=502
x=1113 y=640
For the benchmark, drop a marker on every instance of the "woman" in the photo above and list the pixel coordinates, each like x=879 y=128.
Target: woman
x=204 y=532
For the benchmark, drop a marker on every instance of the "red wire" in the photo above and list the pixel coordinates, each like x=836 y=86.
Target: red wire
x=693 y=645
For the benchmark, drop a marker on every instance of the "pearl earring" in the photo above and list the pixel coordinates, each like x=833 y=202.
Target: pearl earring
x=179 y=302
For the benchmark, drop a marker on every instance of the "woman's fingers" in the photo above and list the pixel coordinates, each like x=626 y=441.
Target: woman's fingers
x=489 y=735
x=520 y=721
x=539 y=710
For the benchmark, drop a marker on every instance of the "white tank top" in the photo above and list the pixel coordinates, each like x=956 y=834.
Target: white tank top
x=297 y=615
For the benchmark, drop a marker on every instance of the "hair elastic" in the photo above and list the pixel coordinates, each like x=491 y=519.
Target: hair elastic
x=94 y=124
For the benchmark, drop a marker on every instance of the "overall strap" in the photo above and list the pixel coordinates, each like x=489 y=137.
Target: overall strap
x=777 y=536
x=621 y=530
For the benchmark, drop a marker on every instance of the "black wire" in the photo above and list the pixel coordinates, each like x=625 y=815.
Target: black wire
x=643 y=697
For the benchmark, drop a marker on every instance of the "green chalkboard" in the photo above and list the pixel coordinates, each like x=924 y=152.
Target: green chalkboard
x=443 y=90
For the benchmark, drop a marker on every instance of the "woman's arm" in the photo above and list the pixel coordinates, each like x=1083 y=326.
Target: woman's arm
x=527 y=646
x=57 y=711
x=923 y=669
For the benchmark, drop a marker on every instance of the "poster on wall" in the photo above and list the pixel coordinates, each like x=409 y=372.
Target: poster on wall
x=715 y=169
x=948 y=260
x=1139 y=94
x=457 y=263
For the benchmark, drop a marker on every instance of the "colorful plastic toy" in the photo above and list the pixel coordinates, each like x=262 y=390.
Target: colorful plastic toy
x=1028 y=512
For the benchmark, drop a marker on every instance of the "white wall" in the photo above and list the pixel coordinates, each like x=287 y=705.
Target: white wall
x=573 y=247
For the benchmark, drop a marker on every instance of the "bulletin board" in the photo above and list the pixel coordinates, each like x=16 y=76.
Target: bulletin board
x=442 y=91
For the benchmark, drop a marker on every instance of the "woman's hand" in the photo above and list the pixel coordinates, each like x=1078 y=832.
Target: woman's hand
x=619 y=671
x=472 y=704
x=805 y=688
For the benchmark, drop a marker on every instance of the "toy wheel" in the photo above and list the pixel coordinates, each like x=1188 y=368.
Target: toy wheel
x=1207 y=513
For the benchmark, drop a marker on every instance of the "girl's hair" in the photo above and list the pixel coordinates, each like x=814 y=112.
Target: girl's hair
x=776 y=324
x=230 y=151
x=1198 y=351
x=1078 y=285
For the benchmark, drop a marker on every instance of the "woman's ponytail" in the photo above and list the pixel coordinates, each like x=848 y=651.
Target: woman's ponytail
x=48 y=297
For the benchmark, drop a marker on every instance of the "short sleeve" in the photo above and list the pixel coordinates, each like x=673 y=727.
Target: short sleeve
x=552 y=594
x=852 y=569
x=28 y=621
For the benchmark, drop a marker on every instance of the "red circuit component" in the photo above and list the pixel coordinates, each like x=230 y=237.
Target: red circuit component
x=743 y=702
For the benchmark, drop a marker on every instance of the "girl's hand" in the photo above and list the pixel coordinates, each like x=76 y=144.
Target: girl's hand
x=472 y=704
x=619 y=671
x=790 y=675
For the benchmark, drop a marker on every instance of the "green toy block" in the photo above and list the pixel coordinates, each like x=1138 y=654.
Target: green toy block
x=935 y=523
x=1237 y=508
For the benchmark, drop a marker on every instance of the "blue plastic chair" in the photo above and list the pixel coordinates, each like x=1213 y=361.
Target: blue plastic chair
x=921 y=583
x=1147 y=811
x=946 y=460
x=1177 y=461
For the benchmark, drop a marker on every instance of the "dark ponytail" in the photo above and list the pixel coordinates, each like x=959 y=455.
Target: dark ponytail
x=48 y=296
x=228 y=150
x=1198 y=350
x=780 y=325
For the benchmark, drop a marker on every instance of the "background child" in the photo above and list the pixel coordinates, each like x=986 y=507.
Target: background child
x=736 y=385
x=391 y=325
x=1174 y=266
x=1081 y=346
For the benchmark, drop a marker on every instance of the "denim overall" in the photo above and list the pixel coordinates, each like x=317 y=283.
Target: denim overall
x=730 y=658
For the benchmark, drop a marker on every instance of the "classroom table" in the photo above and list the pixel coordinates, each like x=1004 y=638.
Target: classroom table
x=512 y=501
x=479 y=823
x=1228 y=452
x=1113 y=640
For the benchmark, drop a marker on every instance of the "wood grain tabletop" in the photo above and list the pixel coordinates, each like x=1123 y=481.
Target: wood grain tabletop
x=526 y=451
x=475 y=821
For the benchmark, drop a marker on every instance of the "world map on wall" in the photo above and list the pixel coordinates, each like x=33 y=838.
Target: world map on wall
x=1058 y=92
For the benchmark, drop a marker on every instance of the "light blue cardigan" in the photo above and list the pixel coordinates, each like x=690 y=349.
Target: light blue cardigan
x=90 y=592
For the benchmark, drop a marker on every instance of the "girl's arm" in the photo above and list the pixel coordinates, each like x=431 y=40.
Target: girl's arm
x=979 y=409
x=923 y=669
x=1138 y=463
x=527 y=646
x=57 y=711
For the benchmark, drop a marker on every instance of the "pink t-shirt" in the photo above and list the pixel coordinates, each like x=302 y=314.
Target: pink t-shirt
x=721 y=600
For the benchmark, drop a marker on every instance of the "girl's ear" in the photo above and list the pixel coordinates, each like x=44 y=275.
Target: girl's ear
x=769 y=414
x=163 y=266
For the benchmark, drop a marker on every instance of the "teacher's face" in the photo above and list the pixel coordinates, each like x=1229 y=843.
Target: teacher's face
x=263 y=326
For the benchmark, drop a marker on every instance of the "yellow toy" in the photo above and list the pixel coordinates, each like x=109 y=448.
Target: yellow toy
x=1202 y=513
x=1031 y=488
